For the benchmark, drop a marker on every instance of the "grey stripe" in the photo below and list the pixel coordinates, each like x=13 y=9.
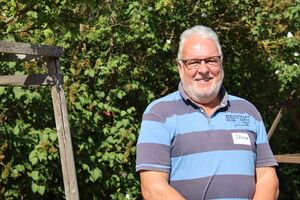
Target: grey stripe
x=219 y=186
x=244 y=106
x=149 y=153
x=153 y=117
x=265 y=156
x=197 y=142
x=166 y=109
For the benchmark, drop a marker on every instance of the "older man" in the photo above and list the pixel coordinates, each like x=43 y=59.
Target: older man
x=200 y=142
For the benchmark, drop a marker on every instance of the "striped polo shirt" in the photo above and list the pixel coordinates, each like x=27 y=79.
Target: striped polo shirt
x=206 y=157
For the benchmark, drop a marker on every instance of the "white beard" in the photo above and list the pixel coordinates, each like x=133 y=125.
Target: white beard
x=203 y=97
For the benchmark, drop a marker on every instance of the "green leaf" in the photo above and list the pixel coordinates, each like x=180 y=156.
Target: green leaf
x=18 y=92
x=38 y=188
x=95 y=174
x=110 y=139
x=42 y=155
x=35 y=175
x=33 y=157
x=121 y=94
x=43 y=136
x=85 y=167
x=16 y=130
x=132 y=137
x=120 y=158
x=52 y=136
x=34 y=187
x=41 y=189
x=20 y=168
x=2 y=90
x=123 y=113
x=32 y=14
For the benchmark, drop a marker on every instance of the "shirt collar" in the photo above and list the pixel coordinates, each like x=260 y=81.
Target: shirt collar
x=222 y=94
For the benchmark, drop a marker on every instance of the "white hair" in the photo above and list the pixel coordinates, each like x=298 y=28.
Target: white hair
x=204 y=32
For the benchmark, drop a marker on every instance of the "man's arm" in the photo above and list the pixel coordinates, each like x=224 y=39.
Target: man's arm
x=267 y=184
x=155 y=186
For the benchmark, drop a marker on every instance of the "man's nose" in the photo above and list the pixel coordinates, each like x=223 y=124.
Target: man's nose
x=202 y=68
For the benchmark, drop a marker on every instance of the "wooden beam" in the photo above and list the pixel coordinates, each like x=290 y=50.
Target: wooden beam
x=30 y=80
x=275 y=123
x=64 y=135
x=288 y=158
x=31 y=49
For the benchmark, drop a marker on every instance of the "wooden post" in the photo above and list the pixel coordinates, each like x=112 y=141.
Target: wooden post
x=275 y=123
x=63 y=131
x=25 y=51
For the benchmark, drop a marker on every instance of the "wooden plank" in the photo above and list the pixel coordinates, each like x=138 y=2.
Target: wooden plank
x=275 y=123
x=30 y=80
x=288 y=158
x=30 y=49
x=64 y=135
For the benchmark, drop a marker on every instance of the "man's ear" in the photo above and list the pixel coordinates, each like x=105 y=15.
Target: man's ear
x=180 y=68
x=179 y=64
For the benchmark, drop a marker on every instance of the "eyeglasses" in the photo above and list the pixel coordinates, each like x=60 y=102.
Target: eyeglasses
x=210 y=62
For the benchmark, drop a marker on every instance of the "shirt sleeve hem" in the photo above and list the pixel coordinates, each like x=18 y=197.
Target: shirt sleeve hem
x=268 y=163
x=151 y=168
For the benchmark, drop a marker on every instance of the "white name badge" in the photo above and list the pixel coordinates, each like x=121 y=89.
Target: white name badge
x=241 y=138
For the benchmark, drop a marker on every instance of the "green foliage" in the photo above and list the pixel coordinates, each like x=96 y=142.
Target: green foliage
x=119 y=55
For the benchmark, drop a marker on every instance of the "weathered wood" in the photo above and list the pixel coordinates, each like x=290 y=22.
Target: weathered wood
x=275 y=123
x=64 y=135
x=30 y=80
x=15 y=51
x=288 y=158
x=30 y=49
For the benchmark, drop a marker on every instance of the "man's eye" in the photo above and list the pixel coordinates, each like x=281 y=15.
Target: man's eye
x=211 y=60
x=192 y=63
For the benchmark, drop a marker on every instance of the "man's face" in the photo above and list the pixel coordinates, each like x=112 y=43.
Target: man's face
x=202 y=84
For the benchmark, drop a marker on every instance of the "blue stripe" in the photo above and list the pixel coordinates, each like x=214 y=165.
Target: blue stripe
x=192 y=122
x=154 y=132
x=161 y=133
x=232 y=97
x=197 y=122
x=262 y=137
x=201 y=165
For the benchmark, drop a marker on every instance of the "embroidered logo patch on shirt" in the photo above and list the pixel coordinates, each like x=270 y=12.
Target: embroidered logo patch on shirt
x=241 y=138
x=238 y=120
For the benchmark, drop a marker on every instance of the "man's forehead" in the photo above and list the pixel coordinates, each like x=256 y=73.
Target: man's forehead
x=198 y=40
x=200 y=45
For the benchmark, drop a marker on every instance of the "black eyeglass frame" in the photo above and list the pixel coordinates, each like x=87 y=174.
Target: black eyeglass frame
x=206 y=60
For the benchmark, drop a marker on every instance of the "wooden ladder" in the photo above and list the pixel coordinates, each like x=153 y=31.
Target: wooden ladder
x=283 y=158
x=13 y=51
